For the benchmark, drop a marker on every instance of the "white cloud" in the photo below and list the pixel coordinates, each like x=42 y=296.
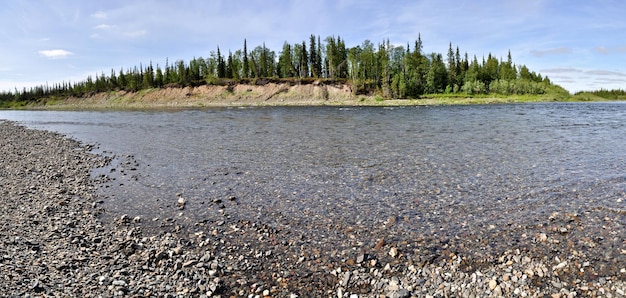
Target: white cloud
x=101 y=15
x=105 y=27
x=561 y=70
x=605 y=73
x=605 y=50
x=55 y=54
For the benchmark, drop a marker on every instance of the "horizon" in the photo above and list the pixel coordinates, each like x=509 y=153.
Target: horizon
x=578 y=45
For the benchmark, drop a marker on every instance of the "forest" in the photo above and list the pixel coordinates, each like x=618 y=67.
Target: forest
x=382 y=69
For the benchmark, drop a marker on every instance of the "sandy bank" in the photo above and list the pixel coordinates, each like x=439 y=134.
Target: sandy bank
x=270 y=94
x=250 y=94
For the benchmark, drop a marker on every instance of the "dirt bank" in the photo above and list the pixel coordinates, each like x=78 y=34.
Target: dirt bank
x=260 y=92
x=270 y=94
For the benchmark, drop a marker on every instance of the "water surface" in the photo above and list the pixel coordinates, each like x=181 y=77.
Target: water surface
x=441 y=171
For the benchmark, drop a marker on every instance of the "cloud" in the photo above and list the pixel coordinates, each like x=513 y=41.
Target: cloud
x=561 y=70
x=101 y=15
x=55 y=54
x=555 y=51
x=609 y=80
x=605 y=73
x=605 y=50
x=105 y=27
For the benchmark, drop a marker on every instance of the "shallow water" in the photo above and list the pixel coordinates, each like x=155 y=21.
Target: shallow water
x=428 y=170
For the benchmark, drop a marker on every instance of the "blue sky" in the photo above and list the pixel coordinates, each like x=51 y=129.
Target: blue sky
x=580 y=45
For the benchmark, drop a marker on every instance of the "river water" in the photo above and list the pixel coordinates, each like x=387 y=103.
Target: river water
x=441 y=171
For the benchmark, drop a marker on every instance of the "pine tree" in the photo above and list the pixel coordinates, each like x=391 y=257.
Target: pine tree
x=121 y=79
x=263 y=62
x=318 y=57
x=158 y=80
x=113 y=80
x=452 y=69
x=221 y=68
x=304 y=62
x=229 y=66
x=285 y=62
x=246 y=66
x=315 y=71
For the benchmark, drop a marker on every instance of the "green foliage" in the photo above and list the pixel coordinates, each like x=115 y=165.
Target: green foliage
x=615 y=94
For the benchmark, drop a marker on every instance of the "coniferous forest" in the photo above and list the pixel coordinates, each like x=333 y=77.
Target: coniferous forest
x=383 y=69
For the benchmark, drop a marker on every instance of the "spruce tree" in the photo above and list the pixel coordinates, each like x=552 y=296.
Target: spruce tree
x=315 y=72
x=246 y=67
x=221 y=68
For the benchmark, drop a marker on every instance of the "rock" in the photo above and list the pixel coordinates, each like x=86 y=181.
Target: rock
x=492 y=284
x=379 y=243
x=360 y=258
x=401 y=293
x=345 y=279
x=559 y=266
x=181 y=203
x=393 y=252
x=497 y=291
x=189 y=263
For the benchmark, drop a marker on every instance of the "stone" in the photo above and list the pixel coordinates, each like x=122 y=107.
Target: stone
x=360 y=258
x=181 y=203
x=393 y=252
x=345 y=279
x=189 y=263
x=401 y=293
x=492 y=284
x=497 y=291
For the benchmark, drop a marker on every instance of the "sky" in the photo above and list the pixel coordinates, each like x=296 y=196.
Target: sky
x=579 y=44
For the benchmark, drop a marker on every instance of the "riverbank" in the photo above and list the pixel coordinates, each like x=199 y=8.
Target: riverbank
x=278 y=93
x=56 y=243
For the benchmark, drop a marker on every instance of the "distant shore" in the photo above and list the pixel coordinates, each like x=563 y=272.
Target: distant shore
x=270 y=94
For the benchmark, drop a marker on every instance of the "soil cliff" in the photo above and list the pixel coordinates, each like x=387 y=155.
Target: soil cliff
x=239 y=94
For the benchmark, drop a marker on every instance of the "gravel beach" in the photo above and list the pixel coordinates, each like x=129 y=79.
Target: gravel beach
x=59 y=241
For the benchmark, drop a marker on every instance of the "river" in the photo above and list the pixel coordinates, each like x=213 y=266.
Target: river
x=438 y=171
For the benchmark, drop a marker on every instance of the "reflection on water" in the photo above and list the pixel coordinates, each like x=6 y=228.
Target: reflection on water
x=460 y=166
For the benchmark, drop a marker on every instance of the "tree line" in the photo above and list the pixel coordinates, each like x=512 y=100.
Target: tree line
x=614 y=94
x=393 y=71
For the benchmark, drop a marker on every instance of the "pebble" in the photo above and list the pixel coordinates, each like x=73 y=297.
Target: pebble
x=492 y=284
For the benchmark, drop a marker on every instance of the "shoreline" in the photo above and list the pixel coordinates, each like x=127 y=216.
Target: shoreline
x=56 y=243
x=268 y=94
